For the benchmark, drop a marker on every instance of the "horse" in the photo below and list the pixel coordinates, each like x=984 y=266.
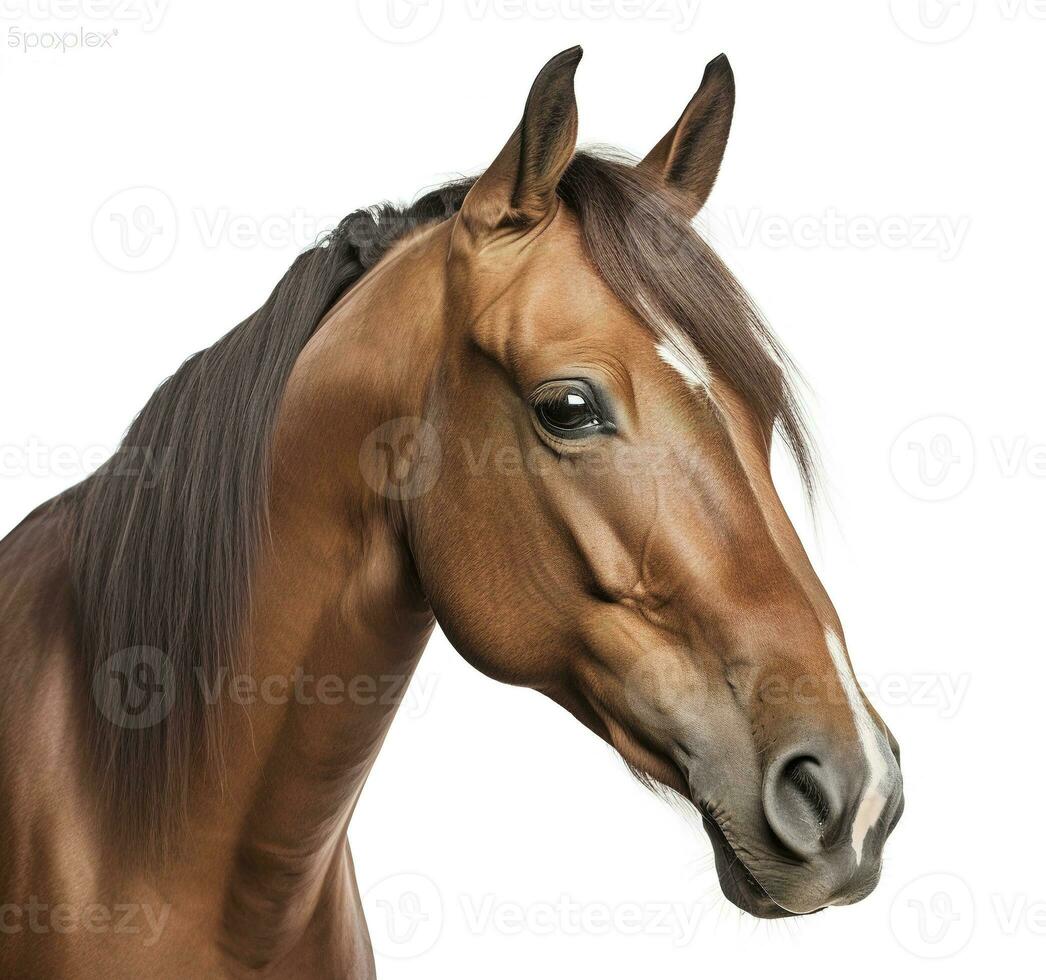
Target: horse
x=533 y=407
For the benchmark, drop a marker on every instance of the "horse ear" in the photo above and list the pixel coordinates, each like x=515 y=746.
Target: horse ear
x=688 y=156
x=519 y=188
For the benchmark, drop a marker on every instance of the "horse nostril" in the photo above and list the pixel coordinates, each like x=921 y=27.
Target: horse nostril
x=802 y=802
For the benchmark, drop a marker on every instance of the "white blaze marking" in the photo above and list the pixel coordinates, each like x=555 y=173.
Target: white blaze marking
x=689 y=364
x=870 y=809
x=677 y=350
x=680 y=354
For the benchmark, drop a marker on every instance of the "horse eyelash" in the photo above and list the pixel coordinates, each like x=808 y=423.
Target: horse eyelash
x=551 y=390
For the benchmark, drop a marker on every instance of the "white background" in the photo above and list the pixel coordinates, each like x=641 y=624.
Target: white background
x=882 y=199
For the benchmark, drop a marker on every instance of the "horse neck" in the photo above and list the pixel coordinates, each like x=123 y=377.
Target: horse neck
x=339 y=619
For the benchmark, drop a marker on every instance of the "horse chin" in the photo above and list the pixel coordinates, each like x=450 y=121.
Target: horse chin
x=739 y=885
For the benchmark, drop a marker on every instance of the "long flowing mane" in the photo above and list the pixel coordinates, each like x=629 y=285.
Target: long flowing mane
x=164 y=560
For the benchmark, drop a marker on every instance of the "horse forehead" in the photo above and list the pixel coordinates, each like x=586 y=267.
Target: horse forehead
x=521 y=309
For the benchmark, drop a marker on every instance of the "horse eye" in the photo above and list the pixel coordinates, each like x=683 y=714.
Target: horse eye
x=568 y=411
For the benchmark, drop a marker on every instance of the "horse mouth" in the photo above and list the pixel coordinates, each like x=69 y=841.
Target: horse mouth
x=739 y=885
